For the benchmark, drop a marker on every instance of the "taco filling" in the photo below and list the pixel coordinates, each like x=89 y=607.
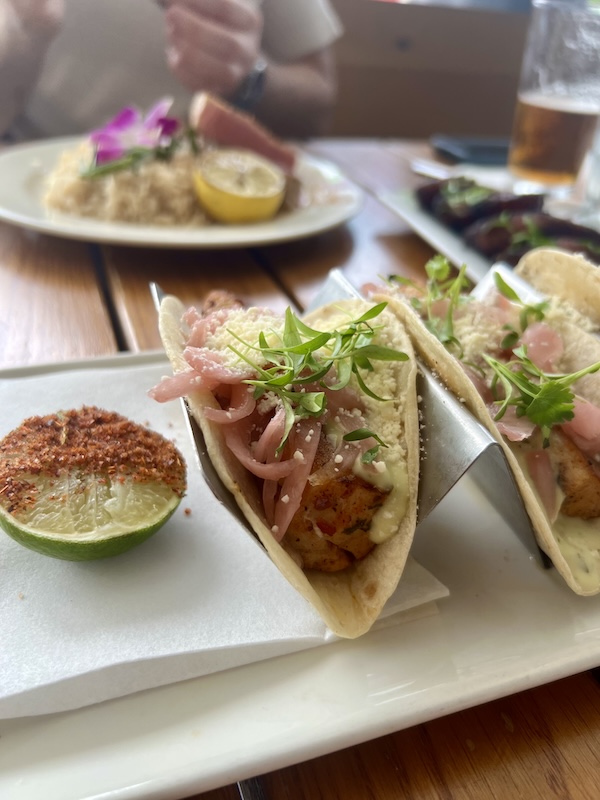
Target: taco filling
x=312 y=424
x=533 y=372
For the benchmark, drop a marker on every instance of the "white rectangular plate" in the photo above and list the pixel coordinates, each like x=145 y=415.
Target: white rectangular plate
x=506 y=626
x=437 y=235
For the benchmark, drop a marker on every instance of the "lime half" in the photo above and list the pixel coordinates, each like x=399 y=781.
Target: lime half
x=87 y=484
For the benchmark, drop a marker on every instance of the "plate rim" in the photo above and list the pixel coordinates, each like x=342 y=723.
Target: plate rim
x=305 y=222
x=442 y=239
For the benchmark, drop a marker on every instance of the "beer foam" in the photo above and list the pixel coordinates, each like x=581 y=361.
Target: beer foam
x=571 y=104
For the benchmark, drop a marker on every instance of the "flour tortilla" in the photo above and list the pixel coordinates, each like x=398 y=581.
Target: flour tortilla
x=569 y=277
x=349 y=601
x=545 y=268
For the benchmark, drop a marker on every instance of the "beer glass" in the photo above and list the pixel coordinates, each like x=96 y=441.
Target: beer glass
x=558 y=101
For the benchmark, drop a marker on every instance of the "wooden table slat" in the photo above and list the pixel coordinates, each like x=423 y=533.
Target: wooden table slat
x=189 y=275
x=51 y=305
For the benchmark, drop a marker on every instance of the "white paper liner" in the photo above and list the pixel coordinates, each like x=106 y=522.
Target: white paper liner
x=198 y=597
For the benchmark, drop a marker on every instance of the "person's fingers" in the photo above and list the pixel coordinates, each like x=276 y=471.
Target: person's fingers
x=202 y=73
x=236 y=15
x=205 y=54
x=189 y=33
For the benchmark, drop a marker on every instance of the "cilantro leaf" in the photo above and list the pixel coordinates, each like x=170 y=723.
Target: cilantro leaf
x=300 y=356
x=544 y=398
x=552 y=405
x=528 y=312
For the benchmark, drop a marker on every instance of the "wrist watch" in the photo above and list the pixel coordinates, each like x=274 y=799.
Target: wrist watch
x=252 y=87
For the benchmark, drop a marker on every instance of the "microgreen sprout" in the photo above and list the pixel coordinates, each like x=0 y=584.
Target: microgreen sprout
x=545 y=399
x=364 y=433
x=527 y=314
x=442 y=287
x=301 y=357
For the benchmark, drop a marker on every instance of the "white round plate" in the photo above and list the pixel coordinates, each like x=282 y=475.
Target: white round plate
x=24 y=168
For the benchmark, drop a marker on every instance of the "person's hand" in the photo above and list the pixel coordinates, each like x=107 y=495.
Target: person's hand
x=35 y=18
x=27 y=27
x=212 y=44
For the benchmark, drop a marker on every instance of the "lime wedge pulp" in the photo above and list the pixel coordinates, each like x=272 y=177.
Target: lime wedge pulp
x=119 y=484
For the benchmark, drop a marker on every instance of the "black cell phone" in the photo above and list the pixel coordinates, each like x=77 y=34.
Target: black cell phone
x=471 y=149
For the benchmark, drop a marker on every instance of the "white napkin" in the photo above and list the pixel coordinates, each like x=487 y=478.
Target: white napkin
x=199 y=596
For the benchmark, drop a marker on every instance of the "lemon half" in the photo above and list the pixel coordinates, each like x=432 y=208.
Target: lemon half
x=87 y=484
x=238 y=186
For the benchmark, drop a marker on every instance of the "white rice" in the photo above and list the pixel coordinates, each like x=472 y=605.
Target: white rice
x=154 y=193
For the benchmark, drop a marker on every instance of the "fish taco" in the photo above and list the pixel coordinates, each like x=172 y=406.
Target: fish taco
x=530 y=372
x=312 y=424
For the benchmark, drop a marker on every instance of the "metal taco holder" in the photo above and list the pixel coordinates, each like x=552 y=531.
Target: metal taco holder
x=453 y=441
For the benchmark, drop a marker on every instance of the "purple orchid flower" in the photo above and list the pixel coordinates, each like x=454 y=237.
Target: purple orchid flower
x=129 y=129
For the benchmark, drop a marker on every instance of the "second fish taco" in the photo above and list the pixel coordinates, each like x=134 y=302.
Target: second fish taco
x=312 y=424
x=530 y=372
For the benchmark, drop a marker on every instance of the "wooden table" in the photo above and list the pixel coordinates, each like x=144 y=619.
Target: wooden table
x=67 y=300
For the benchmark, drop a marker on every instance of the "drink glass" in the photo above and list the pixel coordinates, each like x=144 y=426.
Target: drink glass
x=558 y=102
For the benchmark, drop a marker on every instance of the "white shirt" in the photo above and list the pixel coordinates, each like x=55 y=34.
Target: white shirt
x=111 y=53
